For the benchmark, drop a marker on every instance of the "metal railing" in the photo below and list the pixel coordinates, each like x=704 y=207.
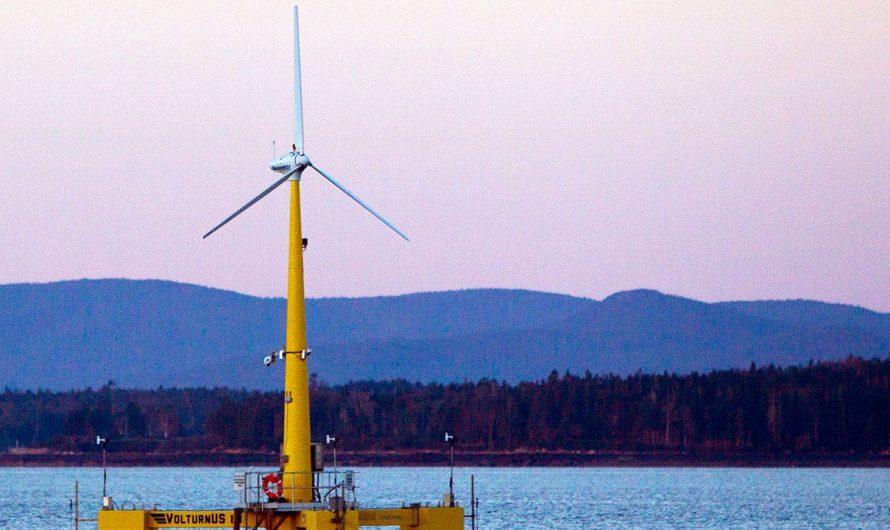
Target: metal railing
x=332 y=490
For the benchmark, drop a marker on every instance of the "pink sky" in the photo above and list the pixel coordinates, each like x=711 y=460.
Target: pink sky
x=718 y=151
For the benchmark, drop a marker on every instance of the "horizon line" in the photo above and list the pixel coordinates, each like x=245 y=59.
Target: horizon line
x=444 y=291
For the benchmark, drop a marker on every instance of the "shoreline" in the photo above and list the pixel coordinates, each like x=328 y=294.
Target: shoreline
x=506 y=459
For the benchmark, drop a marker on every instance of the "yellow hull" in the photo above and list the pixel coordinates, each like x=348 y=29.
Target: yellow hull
x=418 y=518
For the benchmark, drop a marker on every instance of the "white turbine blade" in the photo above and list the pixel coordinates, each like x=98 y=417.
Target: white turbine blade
x=298 y=88
x=251 y=203
x=333 y=181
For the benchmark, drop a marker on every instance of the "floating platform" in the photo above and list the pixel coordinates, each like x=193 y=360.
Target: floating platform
x=261 y=504
x=412 y=517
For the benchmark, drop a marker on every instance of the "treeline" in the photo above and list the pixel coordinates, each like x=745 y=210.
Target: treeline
x=823 y=407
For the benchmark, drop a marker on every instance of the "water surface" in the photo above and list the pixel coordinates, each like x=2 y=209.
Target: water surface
x=38 y=498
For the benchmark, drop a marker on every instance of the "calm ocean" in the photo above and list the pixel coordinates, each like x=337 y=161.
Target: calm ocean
x=515 y=498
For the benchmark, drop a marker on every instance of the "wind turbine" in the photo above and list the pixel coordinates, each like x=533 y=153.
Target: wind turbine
x=300 y=494
x=296 y=459
x=291 y=165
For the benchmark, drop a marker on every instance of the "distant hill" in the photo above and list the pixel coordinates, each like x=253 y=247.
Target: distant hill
x=155 y=333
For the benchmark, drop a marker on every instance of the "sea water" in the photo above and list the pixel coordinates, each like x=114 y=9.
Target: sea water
x=511 y=498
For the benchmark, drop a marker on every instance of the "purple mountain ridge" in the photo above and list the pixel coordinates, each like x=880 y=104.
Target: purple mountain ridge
x=150 y=333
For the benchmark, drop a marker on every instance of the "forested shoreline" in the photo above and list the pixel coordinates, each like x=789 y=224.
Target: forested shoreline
x=823 y=408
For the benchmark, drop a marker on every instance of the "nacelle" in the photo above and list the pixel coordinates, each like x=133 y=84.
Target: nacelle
x=289 y=162
x=284 y=163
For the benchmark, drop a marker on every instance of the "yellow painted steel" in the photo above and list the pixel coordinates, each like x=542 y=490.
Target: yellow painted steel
x=141 y=519
x=429 y=518
x=123 y=520
x=418 y=518
x=295 y=455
